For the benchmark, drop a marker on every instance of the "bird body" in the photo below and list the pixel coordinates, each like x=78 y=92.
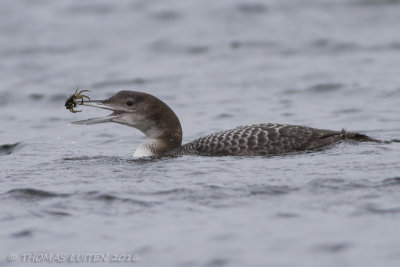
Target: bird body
x=266 y=139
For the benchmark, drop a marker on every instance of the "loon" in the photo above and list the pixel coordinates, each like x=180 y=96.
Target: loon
x=163 y=131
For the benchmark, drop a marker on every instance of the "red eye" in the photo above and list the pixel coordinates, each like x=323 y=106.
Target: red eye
x=129 y=102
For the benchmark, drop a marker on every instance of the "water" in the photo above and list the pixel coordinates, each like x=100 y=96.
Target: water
x=219 y=64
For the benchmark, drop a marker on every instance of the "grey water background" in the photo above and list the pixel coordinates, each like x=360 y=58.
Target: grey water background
x=219 y=64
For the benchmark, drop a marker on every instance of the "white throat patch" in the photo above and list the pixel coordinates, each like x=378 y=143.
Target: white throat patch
x=144 y=150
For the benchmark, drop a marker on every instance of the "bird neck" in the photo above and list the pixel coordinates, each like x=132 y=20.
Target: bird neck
x=163 y=133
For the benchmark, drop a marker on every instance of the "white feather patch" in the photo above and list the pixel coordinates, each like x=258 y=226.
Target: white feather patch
x=144 y=150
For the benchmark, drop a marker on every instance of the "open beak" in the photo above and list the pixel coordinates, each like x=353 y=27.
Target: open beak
x=100 y=104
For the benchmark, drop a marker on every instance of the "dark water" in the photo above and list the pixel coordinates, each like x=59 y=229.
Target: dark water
x=219 y=64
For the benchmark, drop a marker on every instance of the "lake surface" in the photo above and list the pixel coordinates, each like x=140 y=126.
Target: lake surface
x=76 y=190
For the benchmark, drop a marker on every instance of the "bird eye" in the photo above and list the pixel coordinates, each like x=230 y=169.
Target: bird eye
x=129 y=102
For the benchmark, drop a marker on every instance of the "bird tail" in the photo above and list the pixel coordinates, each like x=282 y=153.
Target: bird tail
x=358 y=137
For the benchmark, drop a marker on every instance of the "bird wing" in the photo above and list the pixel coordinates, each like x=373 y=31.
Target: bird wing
x=262 y=139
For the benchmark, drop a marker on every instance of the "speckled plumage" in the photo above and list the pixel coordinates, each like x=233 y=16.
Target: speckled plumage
x=265 y=139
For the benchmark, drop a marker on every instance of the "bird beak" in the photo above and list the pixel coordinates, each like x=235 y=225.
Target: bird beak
x=100 y=104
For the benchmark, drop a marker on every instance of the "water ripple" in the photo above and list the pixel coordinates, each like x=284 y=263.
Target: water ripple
x=325 y=87
x=391 y=181
x=108 y=197
x=336 y=184
x=333 y=247
x=271 y=190
x=57 y=213
x=23 y=233
x=251 y=8
x=31 y=194
x=376 y=209
x=7 y=149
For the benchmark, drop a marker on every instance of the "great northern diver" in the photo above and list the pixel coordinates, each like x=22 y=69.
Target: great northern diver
x=164 y=133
